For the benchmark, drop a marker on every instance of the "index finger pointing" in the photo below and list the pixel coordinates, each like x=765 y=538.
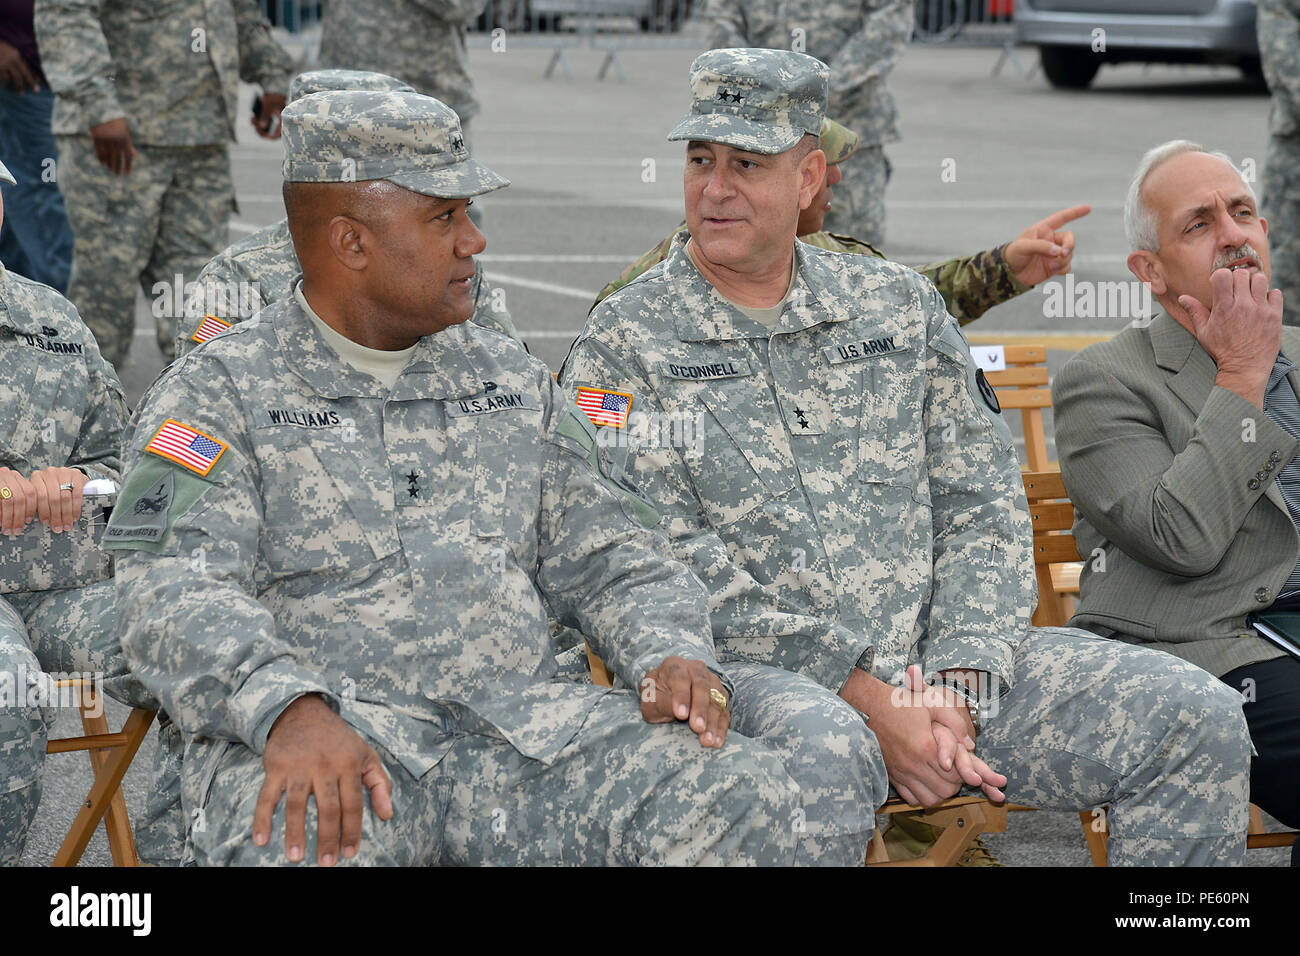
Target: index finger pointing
x=1059 y=218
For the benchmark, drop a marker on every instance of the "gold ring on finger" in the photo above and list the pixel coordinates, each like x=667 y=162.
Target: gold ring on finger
x=718 y=697
x=6 y=494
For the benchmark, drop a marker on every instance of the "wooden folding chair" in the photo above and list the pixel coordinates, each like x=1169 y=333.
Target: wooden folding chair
x=110 y=757
x=1023 y=387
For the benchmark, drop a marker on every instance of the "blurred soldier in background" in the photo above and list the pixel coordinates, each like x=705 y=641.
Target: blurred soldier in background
x=421 y=42
x=146 y=105
x=1278 y=26
x=860 y=40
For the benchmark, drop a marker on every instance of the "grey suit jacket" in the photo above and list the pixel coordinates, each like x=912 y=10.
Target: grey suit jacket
x=1181 y=526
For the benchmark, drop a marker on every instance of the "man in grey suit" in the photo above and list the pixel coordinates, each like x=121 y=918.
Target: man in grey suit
x=1178 y=441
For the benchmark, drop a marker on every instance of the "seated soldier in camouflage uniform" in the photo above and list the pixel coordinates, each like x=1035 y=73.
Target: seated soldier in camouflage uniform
x=970 y=285
x=257 y=270
x=854 y=506
x=62 y=416
x=362 y=509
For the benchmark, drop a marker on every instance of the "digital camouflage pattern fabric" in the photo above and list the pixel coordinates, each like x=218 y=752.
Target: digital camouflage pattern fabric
x=420 y=42
x=61 y=405
x=172 y=71
x=761 y=101
x=861 y=41
x=399 y=553
x=851 y=499
x=970 y=285
x=1278 y=28
x=406 y=138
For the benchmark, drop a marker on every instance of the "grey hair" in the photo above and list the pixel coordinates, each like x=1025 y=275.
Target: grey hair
x=1140 y=224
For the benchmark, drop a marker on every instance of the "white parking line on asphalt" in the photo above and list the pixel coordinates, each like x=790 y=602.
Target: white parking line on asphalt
x=552 y=287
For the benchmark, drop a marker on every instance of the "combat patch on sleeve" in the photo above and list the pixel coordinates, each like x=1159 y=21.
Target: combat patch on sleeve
x=986 y=390
x=209 y=328
x=186 y=446
x=153 y=496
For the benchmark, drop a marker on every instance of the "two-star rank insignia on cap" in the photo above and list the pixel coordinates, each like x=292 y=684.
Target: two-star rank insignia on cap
x=604 y=407
x=209 y=328
x=186 y=446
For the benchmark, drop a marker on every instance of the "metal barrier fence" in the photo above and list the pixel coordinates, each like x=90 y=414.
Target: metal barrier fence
x=616 y=25
x=610 y=26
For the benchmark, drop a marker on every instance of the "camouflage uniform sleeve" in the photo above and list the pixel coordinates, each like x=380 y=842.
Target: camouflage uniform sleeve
x=261 y=59
x=75 y=57
x=98 y=451
x=603 y=569
x=971 y=285
x=739 y=606
x=984 y=588
x=872 y=51
x=648 y=261
x=728 y=26
x=1278 y=29
x=186 y=547
x=490 y=307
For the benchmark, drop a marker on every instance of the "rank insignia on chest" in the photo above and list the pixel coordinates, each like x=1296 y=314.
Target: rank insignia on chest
x=186 y=446
x=209 y=328
x=604 y=407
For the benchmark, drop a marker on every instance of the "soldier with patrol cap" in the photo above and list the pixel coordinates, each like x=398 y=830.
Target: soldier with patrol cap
x=853 y=504
x=366 y=508
x=257 y=270
x=970 y=285
x=62 y=417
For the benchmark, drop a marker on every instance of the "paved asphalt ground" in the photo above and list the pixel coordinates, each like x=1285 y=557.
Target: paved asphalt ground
x=579 y=210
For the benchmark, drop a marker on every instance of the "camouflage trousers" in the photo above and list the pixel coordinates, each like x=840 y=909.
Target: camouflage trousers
x=1280 y=205
x=24 y=729
x=825 y=745
x=72 y=631
x=622 y=792
x=858 y=200
x=1091 y=721
x=167 y=218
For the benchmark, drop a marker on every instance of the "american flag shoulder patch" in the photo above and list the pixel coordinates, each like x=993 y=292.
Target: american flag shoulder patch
x=186 y=446
x=604 y=407
x=209 y=328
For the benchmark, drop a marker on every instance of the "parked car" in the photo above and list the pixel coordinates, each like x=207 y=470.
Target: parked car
x=1075 y=37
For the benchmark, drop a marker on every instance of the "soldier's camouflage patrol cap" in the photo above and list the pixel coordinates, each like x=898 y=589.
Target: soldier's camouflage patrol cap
x=408 y=139
x=6 y=175
x=761 y=101
x=838 y=142
x=321 y=81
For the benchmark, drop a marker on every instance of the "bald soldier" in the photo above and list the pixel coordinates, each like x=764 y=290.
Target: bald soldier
x=361 y=510
x=852 y=502
x=970 y=285
x=259 y=269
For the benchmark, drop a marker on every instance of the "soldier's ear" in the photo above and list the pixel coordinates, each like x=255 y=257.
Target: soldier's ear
x=812 y=170
x=347 y=242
